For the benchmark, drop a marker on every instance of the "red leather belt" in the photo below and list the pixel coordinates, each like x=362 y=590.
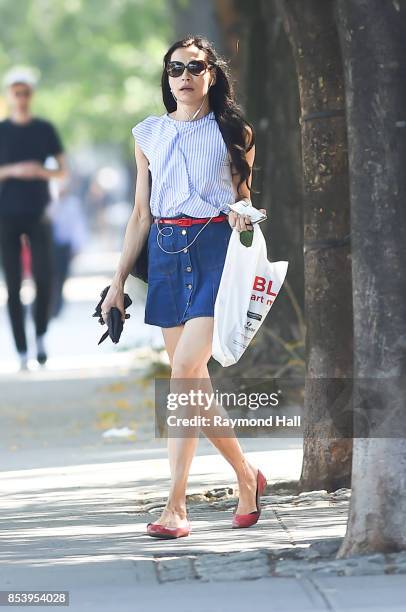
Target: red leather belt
x=186 y=222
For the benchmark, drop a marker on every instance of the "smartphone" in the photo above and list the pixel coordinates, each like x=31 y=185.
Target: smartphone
x=260 y=220
x=243 y=207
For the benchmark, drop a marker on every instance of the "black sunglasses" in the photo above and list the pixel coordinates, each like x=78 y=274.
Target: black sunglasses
x=195 y=67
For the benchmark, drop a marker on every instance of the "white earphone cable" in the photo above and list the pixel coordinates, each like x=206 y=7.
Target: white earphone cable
x=171 y=228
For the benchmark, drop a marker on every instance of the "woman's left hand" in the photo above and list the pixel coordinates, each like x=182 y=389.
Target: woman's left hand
x=241 y=222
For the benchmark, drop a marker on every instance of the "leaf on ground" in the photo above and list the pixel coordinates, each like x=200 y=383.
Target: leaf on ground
x=106 y=420
x=117 y=387
x=149 y=403
x=22 y=419
x=123 y=404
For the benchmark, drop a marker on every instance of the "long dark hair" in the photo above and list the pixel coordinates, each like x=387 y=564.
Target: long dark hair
x=227 y=112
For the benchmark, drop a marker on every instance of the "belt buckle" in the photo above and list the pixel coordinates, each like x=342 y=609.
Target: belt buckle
x=184 y=222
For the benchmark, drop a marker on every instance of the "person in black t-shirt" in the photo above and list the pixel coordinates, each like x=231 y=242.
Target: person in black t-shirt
x=25 y=143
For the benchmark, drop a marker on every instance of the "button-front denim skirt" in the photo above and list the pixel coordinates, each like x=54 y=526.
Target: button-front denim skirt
x=184 y=285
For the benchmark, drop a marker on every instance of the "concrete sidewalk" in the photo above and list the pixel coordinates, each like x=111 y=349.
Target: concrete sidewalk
x=74 y=507
x=82 y=528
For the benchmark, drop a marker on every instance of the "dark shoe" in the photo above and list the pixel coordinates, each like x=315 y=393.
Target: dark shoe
x=41 y=357
x=247 y=520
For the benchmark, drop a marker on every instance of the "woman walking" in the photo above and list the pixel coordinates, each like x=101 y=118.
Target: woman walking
x=190 y=151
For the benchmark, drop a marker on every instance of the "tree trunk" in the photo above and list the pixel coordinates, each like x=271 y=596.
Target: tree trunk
x=266 y=83
x=373 y=40
x=327 y=267
x=279 y=158
x=188 y=18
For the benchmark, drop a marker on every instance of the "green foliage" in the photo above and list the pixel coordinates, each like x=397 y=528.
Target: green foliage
x=100 y=62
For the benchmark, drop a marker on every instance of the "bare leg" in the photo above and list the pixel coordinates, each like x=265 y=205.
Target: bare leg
x=181 y=450
x=189 y=349
x=232 y=452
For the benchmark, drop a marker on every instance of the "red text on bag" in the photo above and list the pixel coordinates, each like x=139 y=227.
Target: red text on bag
x=261 y=284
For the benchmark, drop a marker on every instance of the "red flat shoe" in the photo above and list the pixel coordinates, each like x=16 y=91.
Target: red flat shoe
x=167 y=533
x=247 y=520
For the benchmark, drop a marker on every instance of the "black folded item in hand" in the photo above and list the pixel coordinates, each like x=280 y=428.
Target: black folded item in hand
x=114 y=322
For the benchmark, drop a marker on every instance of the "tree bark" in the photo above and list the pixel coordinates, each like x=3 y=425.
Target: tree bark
x=273 y=90
x=327 y=260
x=373 y=41
x=266 y=83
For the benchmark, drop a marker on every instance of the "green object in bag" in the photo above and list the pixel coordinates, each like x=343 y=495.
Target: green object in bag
x=246 y=237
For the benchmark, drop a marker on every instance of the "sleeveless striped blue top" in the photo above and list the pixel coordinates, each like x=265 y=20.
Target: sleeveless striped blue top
x=189 y=164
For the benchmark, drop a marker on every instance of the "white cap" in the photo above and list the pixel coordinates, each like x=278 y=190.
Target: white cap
x=20 y=74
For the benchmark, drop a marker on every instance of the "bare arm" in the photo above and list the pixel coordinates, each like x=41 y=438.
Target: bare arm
x=59 y=173
x=27 y=170
x=6 y=171
x=135 y=235
x=139 y=222
x=241 y=222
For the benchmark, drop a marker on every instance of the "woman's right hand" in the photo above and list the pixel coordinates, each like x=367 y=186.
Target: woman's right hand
x=239 y=222
x=114 y=297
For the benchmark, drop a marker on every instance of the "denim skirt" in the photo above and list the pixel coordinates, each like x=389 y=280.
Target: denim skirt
x=184 y=285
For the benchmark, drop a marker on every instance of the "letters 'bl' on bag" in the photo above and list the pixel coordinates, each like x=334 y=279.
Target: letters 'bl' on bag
x=248 y=287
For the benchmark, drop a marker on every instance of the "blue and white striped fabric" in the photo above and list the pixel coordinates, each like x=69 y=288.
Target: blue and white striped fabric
x=189 y=165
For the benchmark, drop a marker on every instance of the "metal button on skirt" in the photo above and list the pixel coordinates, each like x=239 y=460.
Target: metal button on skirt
x=184 y=285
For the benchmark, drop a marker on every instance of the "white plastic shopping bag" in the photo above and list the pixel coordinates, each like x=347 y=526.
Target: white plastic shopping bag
x=248 y=288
